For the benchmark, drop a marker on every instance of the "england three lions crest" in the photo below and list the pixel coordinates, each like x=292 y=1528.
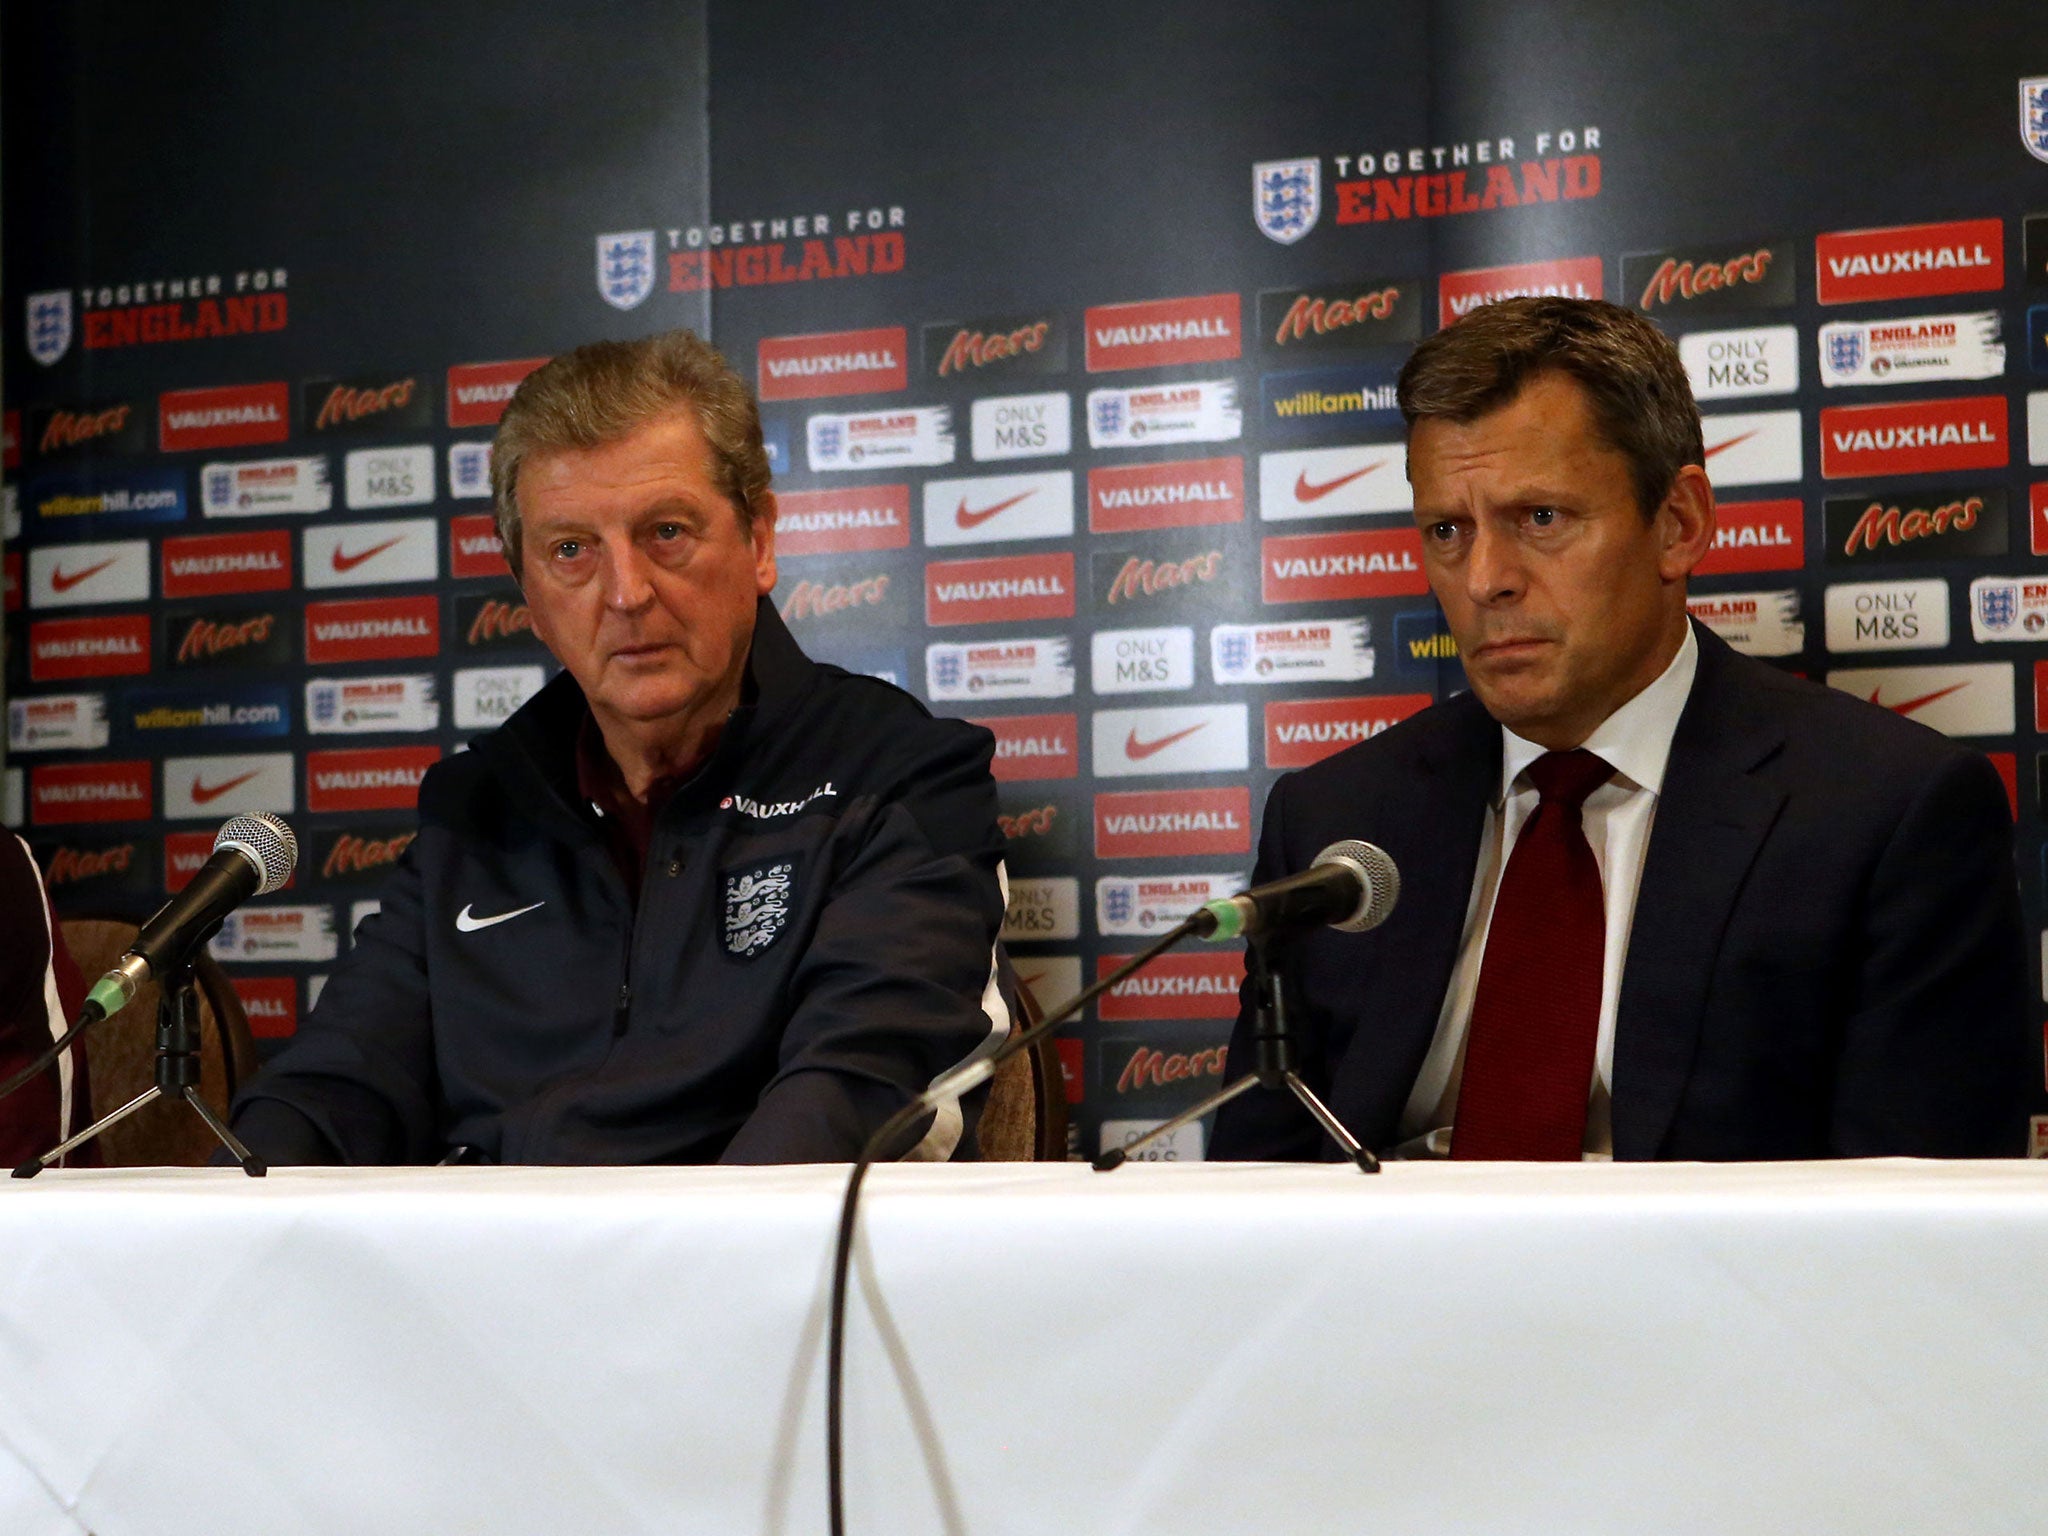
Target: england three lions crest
x=2034 y=116
x=1287 y=198
x=756 y=907
x=49 y=325
x=625 y=267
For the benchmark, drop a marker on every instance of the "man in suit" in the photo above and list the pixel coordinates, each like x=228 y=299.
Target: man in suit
x=1658 y=900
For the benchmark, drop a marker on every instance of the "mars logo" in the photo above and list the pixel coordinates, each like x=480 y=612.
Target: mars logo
x=1187 y=493
x=999 y=590
x=1157 y=333
x=1329 y=567
x=473 y=546
x=1034 y=747
x=479 y=392
x=1147 y=1068
x=60 y=793
x=68 y=865
x=1006 y=345
x=833 y=363
x=376 y=629
x=1127 y=578
x=1756 y=536
x=226 y=638
x=1345 y=317
x=823 y=599
x=1197 y=986
x=361 y=854
x=842 y=522
x=368 y=778
x=1915 y=437
x=1710 y=281
x=1037 y=822
x=1304 y=731
x=1951 y=522
x=1575 y=277
x=206 y=565
x=271 y=1004
x=494 y=623
x=115 y=428
x=1863 y=266
x=61 y=649
x=232 y=416
x=367 y=405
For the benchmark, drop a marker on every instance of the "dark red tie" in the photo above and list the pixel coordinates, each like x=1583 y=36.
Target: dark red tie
x=1536 y=1015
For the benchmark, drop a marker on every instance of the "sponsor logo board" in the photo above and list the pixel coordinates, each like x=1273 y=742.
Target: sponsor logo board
x=228 y=416
x=389 y=477
x=205 y=638
x=469 y=471
x=486 y=623
x=1202 y=985
x=302 y=935
x=1168 y=739
x=61 y=502
x=1162 y=333
x=1022 y=426
x=1037 y=830
x=355 y=705
x=1141 y=660
x=1164 y=576
x=1425 y=647
x=371 y=554
x=1287 y=197
x=60 y=650
x=1754 y=623
x=271 y=1004
x=210 y=564
x=265 y=487
x=1004 y=589
x=63 y=793
x=1038 y=668
x=2034 y=247
x=372 y=629
x=1575 y=277
x=1158 y=415
x=1043 y=907
x=2008 y=608
x=1304 y=731
x=219 y=786
x=473 y=547
x=63 y=431
x=998 y=346
x=363 y=406
x=857 y=598
x=1971 y=699
x=1887 y=615
x=2037 y=517
x=833 y=363
x=1181 y=493
x=78 y=575
x=1342 y=317
x=1333 y=567
x=838 y=522
x=84 y=865
x=367 y=778
x=2037 y=427
x=999 y=509
x=1911 y=351
x=359 y=854
x=1737 y=365
x=1753 y=448
x=1138 y=906
x=1709 y=280
x=1756 y=536
x=1034 y=747
x=1935 y=525
x=479 y=392
x=909 y=435
x=1324 y=650
x=1913 y=437
x=486 y=697
x=1334 y=482
x=57 y=722
x=191 y=716
x=1909 y=261
x=1328 y=402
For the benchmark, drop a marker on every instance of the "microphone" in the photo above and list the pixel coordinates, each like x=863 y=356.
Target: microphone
x=1352 y=886
x=252 y=856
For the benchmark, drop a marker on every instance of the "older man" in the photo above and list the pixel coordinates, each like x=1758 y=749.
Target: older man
x=1659 y=900
x=701 y=898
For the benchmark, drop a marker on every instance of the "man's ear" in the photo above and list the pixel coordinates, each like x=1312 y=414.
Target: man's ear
x=761 y=532
x=1685 y=523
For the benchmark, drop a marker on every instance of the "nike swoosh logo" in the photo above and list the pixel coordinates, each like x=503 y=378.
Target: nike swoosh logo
x=64 y=581
x=1137 y=751
x=350 y=562
x=203 y=794
x=967 y=519
x=1724 y=447
x=464 y=923
x=1922 y=702
x=1306 y=489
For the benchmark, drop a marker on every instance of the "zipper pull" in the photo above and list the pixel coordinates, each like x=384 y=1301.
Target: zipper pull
x=619 y=1014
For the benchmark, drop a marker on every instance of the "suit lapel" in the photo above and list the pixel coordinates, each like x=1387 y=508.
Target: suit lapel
x=1434 y=815
x=1712 y=817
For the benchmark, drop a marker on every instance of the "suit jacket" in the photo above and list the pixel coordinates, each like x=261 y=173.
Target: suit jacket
x=1826 y=958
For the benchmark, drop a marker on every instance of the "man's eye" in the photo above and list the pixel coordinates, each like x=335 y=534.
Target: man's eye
x=568 y=549
x=1543 y=517
x=668 y=530
x=1443 y=533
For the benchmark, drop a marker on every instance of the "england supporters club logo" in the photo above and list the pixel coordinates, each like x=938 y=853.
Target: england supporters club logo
x=756 y=908
x=1287 y=198
x=49 y=325
x=625 y=267
x=2033 y=116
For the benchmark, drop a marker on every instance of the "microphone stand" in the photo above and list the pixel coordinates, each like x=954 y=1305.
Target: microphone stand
x=1278 y=1068
x=176 y=1076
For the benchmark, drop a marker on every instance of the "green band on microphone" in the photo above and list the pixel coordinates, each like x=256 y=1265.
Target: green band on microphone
x=1229 y=918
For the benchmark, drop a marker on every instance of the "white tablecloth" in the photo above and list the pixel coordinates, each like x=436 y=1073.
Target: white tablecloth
x=1169 y=1349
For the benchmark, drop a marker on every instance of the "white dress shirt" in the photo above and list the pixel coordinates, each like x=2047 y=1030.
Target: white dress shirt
x=1636 y=740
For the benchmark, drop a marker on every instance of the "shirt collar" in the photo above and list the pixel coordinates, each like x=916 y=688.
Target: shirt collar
x=1635 y=739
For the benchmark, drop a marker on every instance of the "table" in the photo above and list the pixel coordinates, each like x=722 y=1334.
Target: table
x=1169 y=1349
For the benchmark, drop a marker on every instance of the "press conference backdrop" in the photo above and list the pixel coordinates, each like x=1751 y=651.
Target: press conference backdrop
x=1075 y=330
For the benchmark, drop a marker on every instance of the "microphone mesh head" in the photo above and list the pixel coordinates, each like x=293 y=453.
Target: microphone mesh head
x=1382 y=882
x=265 y=838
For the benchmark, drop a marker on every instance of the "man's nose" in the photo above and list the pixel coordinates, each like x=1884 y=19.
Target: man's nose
x=1493 y=568
x=625 y=574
